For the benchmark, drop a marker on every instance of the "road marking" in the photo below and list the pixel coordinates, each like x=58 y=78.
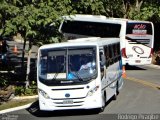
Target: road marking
x=155 y=86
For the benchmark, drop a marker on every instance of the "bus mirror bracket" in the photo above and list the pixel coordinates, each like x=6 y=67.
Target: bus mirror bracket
x=103 y=60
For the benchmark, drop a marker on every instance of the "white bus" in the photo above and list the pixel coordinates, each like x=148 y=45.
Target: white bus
x=137 y=37
x=79 y=74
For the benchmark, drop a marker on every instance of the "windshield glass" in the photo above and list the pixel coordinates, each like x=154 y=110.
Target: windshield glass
x=67 y=65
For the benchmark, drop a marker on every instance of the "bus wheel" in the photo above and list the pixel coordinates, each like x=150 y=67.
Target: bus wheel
x=116 y=93
x=103 y=103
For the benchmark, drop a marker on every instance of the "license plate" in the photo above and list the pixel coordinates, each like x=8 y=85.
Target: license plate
x=68 y=101
x=138 y=61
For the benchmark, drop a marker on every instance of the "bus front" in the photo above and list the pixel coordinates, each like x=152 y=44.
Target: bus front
x=138 y=43
x=62 y=81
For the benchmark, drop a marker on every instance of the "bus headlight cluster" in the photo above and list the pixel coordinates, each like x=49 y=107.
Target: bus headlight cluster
x=92 y=91
x=43 y=93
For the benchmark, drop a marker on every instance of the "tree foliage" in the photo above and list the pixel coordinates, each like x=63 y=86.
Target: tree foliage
x=142 y=9
x=33 y=18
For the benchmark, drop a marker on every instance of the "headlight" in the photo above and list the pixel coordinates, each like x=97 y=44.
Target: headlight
x=92 y=91
x=44 y=94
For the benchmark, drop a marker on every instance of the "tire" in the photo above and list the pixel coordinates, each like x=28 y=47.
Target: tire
x=103 y=102
x=116 y=93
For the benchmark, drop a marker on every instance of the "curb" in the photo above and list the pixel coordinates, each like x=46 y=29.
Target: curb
x=19 y=107
x=24 y=97
x=15 y=108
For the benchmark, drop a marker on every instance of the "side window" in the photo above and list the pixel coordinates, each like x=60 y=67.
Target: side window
x=115 y=53
x=118 y=48
x=118 y=51
x=112 y=53
x=110 y=48
x=106 y=53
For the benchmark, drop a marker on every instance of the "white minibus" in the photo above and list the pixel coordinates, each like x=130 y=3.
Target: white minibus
x=79 y=74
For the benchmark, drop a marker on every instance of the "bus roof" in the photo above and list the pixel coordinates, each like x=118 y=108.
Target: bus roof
x=84 y=17
x=83 y=42
x=99 y=18
x=90 y=18
x=128 y=20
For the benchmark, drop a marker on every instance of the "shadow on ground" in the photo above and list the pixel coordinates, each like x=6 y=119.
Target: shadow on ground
x=128 y=67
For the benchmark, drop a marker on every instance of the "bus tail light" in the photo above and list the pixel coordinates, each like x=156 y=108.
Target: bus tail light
x=151 y=53
x=124 y=53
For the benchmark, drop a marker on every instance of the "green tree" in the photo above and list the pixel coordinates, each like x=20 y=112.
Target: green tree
x=131 y=9
x=32 y=19
x=94 y=7
x=141 y=9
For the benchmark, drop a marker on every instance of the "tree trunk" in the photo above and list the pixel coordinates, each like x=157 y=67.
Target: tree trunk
x=23 y=55
x=28 y=68
x=28 y=64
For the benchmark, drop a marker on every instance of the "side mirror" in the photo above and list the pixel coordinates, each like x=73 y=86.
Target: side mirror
x=102 y=68
x=103 y=60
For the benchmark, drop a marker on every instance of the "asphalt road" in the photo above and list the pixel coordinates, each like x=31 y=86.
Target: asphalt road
x=138 y=99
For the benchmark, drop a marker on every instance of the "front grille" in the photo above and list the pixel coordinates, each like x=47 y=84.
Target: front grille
x=68 y=88
x=62 y=103
x=69 y=106
x=73 y=102
x=67 y=98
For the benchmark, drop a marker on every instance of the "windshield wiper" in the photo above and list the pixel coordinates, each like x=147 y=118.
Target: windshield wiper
x=56 y=74
x=75 y=74
x=54 y=78
x=79 y=78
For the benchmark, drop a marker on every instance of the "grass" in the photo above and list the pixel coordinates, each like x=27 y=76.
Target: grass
x=15 y=103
